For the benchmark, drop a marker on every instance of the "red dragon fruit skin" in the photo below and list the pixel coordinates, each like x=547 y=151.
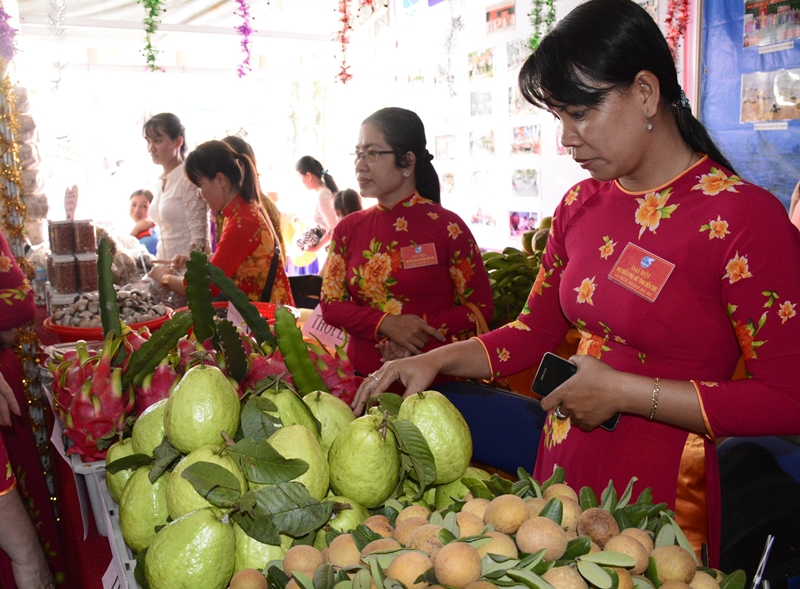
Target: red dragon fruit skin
x=263 y=366
x=156 y=386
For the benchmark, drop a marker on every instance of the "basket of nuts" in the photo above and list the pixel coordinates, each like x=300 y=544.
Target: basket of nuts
x=79 y=317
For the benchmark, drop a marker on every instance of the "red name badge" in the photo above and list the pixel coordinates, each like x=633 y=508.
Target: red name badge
x=641 y=272
x=417 y=256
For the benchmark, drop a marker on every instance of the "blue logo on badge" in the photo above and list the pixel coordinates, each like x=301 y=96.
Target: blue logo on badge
x=418 y=249
x=646 y=262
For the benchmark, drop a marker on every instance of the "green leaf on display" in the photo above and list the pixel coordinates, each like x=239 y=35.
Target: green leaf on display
x=446 y=536
x=415 y=454
x=385 y=557
x=498 y=485
x=493 y=566
x=594 y=574
x=577 y=547
x=530 y=561
x=666 y=533
x=609 y=558
x=558 y=477
x=533 y=485
x=645 y=496
x=362 y=579
x=198 y=294
x=529 y=579
x=109 y=309
x=362 y=536
x=276 y=577
x=261 y=463
x=385 y=403
x=324 y=577
x=130 y=462
x=626 y=496
x=608 y=498
x=640 y=583
x=735 y=580
x=378 y=575
x=215 y=483
x=303 y=580
x=652 y=573
x=587 y=498
x=138 y=571
x=476 y=541
x=428 y=577
x=477 y=487
x=164 y=456
x=450 y=523
x=553 y=510
x=623 y=519
x=613 y=576
x=256 y=423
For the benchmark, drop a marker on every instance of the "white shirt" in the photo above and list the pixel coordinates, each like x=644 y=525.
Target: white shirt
x=181 y=215
x=324 y=213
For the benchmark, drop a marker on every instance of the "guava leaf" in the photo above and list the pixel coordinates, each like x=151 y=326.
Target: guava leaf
x=138 y=571
x=386 y=402
x=558 y=476
x=498 y=485
x=639 y=583
x=587 y=498
x=291 y=509
x=324 y=577
x=415 y=453
x=303 y=580
x=683 y=542
x=594 y=574
x=214 y=483
x=261 y=463
x=626 y=496
x=164 y=455
x=446 y=536
x=198 y=294
x=232 y=349
x=531 y=560
x=652 y=573
x=645 y=496
x=477 y=487
x=577 y=547
x=362 y=536
x=553 y=510
x=130 y=462
x=736 y=580
x=529 y=579
x=608 y=499
x=256 y=422
x=276 y=577
x=362 y=579
x=609 y=558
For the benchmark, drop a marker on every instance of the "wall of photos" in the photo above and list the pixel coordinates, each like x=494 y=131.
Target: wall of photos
x=499 y=159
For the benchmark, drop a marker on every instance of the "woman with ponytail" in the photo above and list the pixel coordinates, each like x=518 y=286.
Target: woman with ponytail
x=667 y=263
x=247 y=250
x=317 y=179
x=406 y=275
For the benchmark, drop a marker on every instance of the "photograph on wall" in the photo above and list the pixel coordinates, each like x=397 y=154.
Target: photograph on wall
x=560 y=149
x=525 y=182
x=448 y=182
x=521 y=221
x=445 y=147
x=480 y=179
x=481 y=143
x=770 y=96
x=526 y=139
x=651 y=6
x=517 y=52
x=481 y=64
x=770 y=21
x=517 y=105
x=481 y=218
x=501 y=17
x=480 y=103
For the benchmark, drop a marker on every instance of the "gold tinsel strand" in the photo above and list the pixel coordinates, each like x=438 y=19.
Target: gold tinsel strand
x=13 y=220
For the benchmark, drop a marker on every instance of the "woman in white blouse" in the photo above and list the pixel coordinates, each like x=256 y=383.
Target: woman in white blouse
x=314 y=177
x=177 y=209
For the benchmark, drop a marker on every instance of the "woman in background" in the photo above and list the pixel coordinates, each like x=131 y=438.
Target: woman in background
x=177 y=209
x=406 y=274
x=314 y=177
x=246 y=250
x=144 y=229
x=345 y=202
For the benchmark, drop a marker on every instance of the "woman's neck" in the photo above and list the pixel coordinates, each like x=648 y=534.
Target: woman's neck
x=172 y=164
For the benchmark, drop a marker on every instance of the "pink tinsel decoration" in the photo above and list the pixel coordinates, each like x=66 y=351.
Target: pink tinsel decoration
x=244 y=30
x=344 y=38
x=7 y=36
x=677 y=16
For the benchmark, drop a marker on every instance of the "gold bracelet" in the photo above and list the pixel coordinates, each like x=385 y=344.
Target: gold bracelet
x=165 y=280
x=654 y=403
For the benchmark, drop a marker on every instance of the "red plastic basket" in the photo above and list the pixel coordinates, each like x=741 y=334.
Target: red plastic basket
x=95 y=334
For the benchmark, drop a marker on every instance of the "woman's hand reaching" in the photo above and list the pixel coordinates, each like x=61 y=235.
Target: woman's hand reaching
x=409 y=331
x=416 y=373
x=8 y=403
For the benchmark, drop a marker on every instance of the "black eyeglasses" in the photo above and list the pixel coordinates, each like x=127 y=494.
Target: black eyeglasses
x=370 y=156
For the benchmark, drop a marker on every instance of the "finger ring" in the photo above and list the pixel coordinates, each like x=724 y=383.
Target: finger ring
x=558 y=415
x=372 y=375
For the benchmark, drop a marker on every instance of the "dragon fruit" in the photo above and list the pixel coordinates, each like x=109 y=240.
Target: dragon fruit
x=69 y=374
x=262 y=367
x=156 y=386
x=99 y=409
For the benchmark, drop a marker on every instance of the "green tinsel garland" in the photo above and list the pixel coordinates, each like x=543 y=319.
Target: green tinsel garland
x=151 y=22
x=539 y=23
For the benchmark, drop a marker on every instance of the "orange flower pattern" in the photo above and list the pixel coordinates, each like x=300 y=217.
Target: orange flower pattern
x=787 y=311
x=607 y=248
x=717 y=181
x=652 y=208
x=586 y=290
x=400 y=224
x=736 y=269
x=5 y=263
x=571 y=196
x=718 y=228
x=555 y=430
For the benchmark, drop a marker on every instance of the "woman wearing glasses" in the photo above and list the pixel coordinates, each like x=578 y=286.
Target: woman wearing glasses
x=404 y=276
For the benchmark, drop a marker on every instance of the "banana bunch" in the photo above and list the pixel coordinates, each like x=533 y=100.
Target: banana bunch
x=512 y=273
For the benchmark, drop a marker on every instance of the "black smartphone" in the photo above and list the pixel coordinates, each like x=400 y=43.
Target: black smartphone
x=554 y=371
